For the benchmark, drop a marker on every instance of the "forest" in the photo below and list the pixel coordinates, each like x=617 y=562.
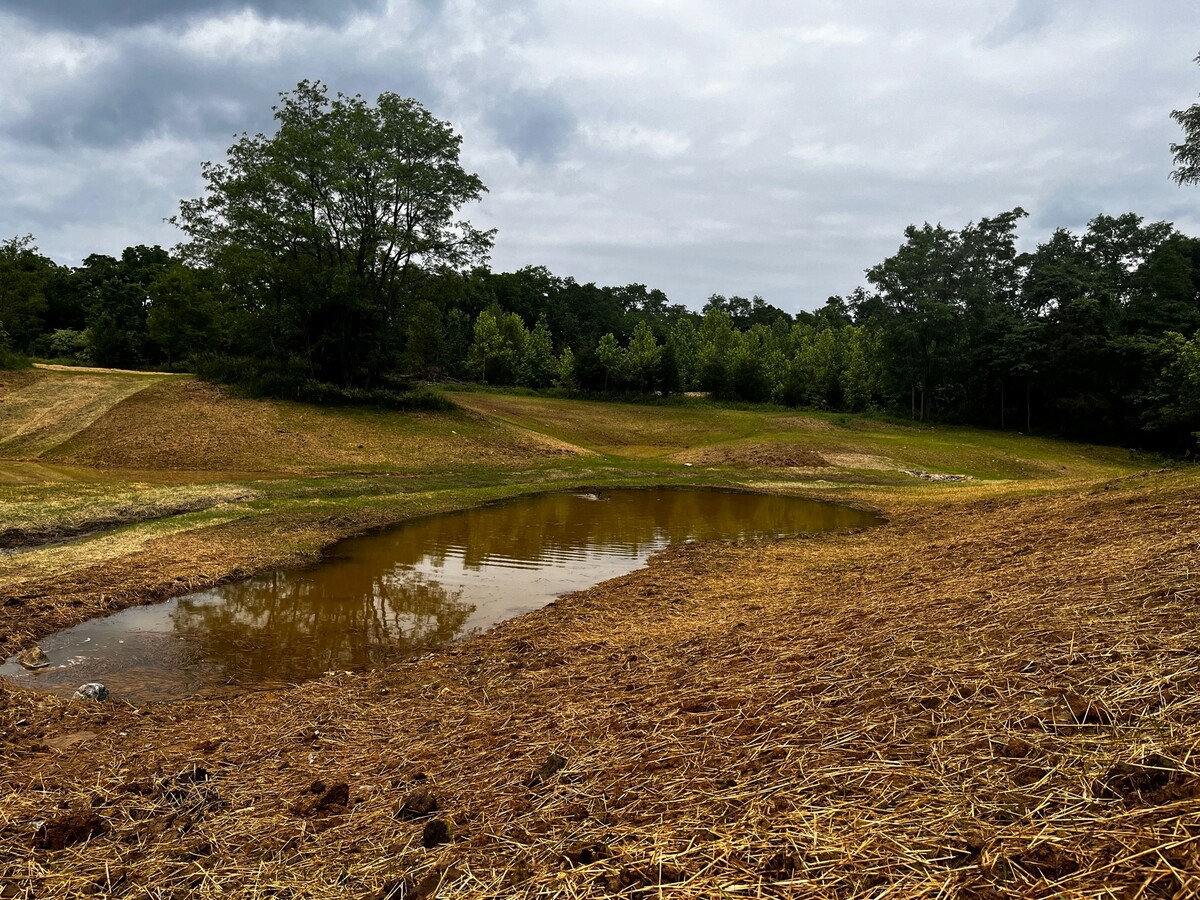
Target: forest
x=326 y=263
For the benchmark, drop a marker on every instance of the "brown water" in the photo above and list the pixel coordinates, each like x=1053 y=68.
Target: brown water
x=400 y=592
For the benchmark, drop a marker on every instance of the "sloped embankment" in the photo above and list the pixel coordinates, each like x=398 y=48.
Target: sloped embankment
x=189 y=424
x=41 y=409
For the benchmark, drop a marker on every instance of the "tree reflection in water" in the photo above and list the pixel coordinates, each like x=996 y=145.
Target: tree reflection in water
x=289 y=626
x=422 y=584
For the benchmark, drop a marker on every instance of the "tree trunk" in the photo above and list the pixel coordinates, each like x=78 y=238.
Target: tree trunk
x=1028 y=412
x=1002 y=403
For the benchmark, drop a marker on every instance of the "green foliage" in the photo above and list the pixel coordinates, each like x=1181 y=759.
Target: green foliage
x=539 y=368
x=184 y=314
x=643 y=358
x=566 y=377
x=324 y=231
x=497 y=348
x=1172 y=401
x=425 y=350
x=68 y=345
x=9 y=359
x=24 y=277
x=612 y=358
x=1187 y=152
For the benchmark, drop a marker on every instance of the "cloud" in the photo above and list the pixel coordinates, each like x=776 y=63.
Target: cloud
x=536 y=126
x=92 y=16
x=1027 y=17
x=697 y=146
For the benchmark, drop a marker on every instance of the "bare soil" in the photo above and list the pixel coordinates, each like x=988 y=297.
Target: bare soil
x=987 y=697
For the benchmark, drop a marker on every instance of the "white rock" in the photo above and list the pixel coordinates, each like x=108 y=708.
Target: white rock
x=93 y=691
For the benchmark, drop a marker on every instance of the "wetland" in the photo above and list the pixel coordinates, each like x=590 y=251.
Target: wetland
x=402 y=591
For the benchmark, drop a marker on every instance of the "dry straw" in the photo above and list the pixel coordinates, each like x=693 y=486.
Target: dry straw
x=992 y=698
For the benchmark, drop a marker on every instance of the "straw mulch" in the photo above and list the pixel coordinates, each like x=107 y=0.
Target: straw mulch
x=993 y=699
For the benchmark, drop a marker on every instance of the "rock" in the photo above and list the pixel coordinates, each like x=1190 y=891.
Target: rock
x=33 y=658
x=93 y=692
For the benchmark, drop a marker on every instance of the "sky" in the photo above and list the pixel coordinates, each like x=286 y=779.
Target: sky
x=764 y=147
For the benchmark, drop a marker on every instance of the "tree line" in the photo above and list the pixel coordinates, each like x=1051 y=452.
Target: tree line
x=329 y=261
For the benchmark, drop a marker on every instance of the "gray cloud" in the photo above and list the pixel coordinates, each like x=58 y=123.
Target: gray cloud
x=1025 y=18
x=536 y=126
x=89 y=16
x=772 y=148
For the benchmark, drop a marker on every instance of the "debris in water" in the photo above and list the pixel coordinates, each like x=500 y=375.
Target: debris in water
x=33 y=658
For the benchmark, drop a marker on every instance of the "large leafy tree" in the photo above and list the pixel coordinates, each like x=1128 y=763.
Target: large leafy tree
x=1187 y=153
x=922 y=312
x=24 y=276
x=323 y=230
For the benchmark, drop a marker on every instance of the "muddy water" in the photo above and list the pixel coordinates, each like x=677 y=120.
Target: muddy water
x=400 y=592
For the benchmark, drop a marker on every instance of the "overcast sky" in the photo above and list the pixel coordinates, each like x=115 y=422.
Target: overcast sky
x=772 y=147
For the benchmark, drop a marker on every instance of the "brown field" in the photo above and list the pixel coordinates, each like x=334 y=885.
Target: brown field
x=996 y=694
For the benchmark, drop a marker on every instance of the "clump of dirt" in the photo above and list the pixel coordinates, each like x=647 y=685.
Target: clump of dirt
x=419 y=804
x=324 y=800
x=763 y=455
x=554 y=764
x=436 y=832
x=1154 y=781
x=68 y=828
x=586 y=854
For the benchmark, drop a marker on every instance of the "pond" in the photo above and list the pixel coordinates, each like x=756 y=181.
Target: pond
x=414 y=587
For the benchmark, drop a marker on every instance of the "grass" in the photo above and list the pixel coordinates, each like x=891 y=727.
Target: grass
x=993 y=695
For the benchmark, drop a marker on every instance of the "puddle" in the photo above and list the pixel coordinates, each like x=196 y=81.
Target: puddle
x=400 y=592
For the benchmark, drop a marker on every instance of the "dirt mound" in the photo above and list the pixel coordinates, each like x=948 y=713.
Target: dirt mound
x=764 y=455
x=40 y=412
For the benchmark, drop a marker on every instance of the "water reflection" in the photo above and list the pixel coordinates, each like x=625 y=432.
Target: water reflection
x=419 y=585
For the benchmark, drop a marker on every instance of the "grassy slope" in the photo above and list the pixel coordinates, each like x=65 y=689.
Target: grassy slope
x=43 y=408
x=709 y=434
x=801 y=718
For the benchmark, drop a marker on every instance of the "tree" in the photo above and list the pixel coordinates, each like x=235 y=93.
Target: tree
x=322 y=230
x=643 y=357
x=426 y=344
x=539 y=367
x=612 y=358
x=183 y=315
x=24 y=275
x=919 y=290
x=490 y=355
x=1187 y=154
